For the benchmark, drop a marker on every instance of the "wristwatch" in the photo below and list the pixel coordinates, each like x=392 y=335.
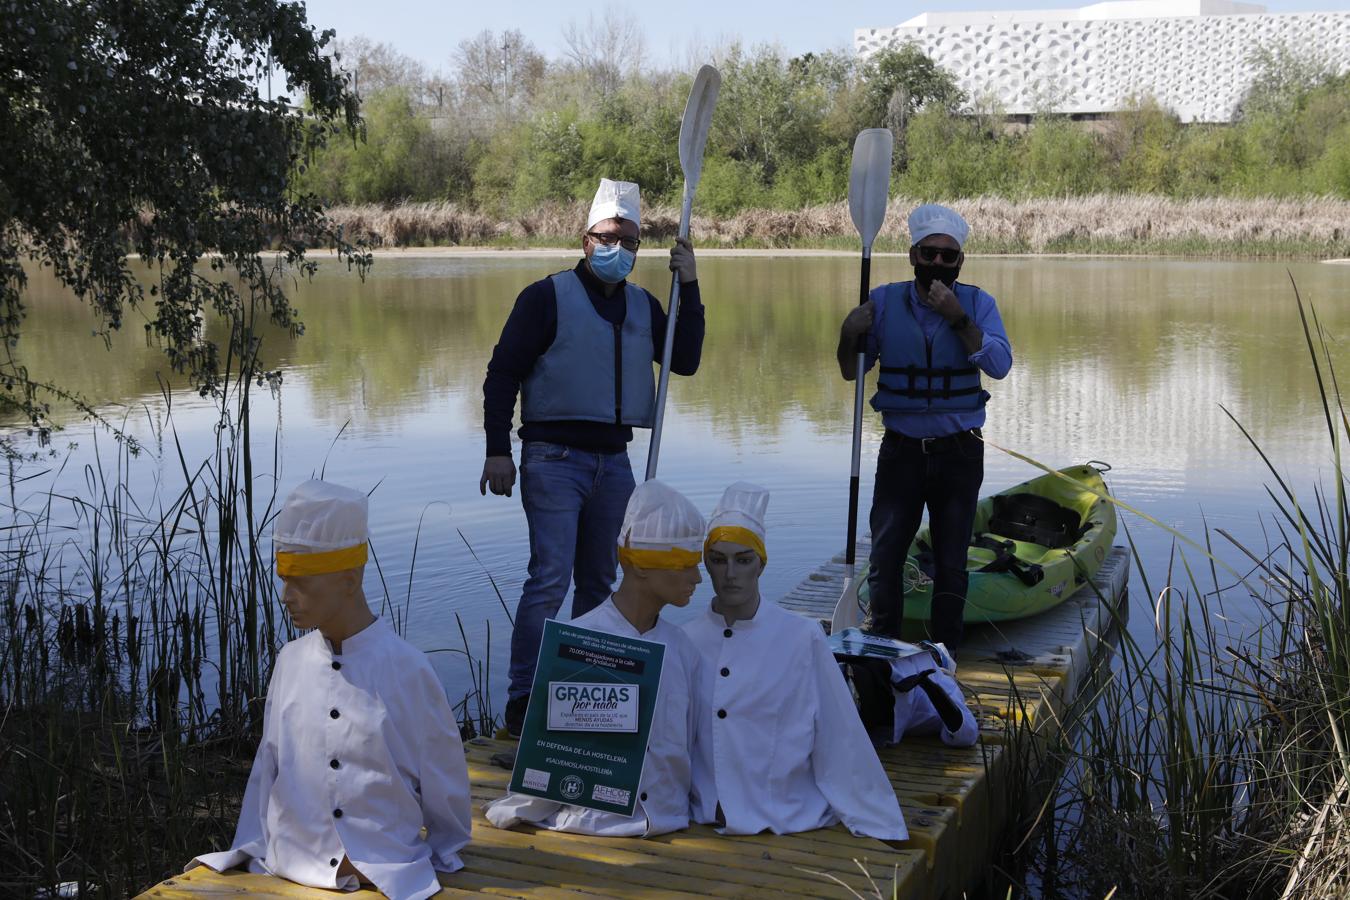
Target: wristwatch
x=962 y=323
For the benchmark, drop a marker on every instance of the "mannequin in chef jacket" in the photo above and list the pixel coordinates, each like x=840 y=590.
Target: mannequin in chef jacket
x=659 y=553
x=788 y=752
x=360 y=750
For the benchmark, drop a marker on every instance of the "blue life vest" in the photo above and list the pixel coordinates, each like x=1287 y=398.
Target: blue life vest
x=594 y=371
x=918 y=375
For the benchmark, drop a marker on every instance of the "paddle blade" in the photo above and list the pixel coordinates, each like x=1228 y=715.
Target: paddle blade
x=847 y=612
x=698 y=113
x=869 y=182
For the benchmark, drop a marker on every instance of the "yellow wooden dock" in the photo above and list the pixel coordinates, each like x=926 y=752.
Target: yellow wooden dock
x=956 y=801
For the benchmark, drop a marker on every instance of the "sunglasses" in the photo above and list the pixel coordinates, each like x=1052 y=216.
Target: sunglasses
x=932 y=254
x=609 y=240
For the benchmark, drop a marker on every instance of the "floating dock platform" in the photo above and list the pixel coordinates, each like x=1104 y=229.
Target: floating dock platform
x=1019 y=679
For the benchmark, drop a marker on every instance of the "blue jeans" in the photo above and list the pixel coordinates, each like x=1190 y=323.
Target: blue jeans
x=574 y=504
x=946 y=478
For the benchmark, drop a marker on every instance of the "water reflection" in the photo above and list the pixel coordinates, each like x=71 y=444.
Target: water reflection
x=1124 y=360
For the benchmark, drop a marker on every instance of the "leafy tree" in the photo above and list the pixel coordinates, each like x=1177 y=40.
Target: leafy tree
x=1057 y=158
x=1141 y=146
x=898 y=83
x=953 y=156
x=149 y=117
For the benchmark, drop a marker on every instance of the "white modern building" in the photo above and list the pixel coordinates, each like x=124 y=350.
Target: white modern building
x=1192 y=55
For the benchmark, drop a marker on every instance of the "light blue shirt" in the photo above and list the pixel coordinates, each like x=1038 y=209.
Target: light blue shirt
x=994 y=358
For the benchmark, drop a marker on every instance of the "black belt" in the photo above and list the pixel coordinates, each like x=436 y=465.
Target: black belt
x=944 y=444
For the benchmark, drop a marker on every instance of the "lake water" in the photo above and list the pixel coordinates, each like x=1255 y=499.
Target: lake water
x=1129 y=361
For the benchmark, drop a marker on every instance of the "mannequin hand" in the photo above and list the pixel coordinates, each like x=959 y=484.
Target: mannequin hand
x=499 y=473
x=682 y=260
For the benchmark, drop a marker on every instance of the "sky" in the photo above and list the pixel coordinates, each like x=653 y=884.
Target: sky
x=429 y=30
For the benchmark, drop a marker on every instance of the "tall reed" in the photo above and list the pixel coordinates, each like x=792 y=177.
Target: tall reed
x=1211 y=761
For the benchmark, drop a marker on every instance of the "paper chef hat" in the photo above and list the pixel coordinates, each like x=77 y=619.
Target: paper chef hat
x=931 y=219
x=739 y=518
x=321 y=528
x=615 y=200
x=661 y=529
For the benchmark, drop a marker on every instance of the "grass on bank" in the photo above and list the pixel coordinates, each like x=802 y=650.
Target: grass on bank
x=1214 y=762
x=1314 y=227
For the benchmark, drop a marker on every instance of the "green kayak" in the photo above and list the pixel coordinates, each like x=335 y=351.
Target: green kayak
x=1033 y=545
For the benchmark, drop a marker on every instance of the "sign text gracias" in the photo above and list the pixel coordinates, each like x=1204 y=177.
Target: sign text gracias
x=585 y=706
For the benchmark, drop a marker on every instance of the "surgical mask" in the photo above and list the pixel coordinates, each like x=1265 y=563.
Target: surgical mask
x=925 y=275
x=612 y=264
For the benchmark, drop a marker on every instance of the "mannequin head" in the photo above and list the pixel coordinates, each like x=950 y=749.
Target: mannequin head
x=658 y=550
x=734 y=570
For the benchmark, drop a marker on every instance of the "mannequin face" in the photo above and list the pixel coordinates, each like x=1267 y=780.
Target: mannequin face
x=734 y=570
x=317 y=600
x=671 y=587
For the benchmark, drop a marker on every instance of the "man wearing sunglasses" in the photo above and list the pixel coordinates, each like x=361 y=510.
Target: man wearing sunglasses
x=935 y=336
x=579 y=347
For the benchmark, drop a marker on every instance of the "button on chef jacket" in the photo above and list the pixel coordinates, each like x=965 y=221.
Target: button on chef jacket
x=915 y=713
x=663 y=793
x=359 y=751
x=788 y=752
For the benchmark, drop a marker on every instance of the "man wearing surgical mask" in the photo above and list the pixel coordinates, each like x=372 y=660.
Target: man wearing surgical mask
x=935 y=337
x=578 y=347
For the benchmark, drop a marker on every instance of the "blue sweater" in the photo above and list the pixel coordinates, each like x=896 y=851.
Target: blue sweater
x=529 y=332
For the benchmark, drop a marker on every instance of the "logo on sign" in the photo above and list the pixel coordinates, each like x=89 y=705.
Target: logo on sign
x=571 y=787
x=586 y=706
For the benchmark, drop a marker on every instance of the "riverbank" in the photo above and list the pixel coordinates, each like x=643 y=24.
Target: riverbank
x=1099 y=225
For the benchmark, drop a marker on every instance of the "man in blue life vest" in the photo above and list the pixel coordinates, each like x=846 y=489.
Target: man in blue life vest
x=579 y=346
x=934 y=336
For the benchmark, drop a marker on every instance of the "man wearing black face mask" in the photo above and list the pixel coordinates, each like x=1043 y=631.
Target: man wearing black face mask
x=934 y=337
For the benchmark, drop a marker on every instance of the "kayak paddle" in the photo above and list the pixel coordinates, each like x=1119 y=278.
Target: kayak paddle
x=698 y=112
x=869 y=185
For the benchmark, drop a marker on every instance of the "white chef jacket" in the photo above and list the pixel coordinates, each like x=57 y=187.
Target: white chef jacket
x=663 y=793
x=915 y=713
x=788 y=751
x=359 y=751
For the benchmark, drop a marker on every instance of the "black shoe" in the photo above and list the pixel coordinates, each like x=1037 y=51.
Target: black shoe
x=515 y=715
x=873 y=627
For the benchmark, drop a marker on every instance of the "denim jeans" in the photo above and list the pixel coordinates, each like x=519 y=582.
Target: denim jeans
x=947 y=480
x=574 y=504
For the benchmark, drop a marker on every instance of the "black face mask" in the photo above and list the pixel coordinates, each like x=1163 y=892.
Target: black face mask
x=925 y=275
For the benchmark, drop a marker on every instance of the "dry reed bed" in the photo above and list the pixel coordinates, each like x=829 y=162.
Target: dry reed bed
x=1108 y=221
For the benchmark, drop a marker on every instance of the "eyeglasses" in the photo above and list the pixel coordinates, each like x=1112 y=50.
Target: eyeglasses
x=931 y=254
x=609 y=240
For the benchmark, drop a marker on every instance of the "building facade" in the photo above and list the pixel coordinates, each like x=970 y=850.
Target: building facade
x=1193 y=56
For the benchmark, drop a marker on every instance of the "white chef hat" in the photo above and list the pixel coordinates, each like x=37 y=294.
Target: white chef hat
x=739 y=518
x=931 y=219
x=615 y=200
x=661 y=529
x=321 y=528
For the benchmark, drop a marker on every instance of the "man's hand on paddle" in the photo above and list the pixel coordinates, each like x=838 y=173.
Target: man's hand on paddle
x=499 y=473
x=856 y=325
x=682 y=260
x=858 y=321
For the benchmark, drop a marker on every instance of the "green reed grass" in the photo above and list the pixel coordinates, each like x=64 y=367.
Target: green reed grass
x=1206 y=761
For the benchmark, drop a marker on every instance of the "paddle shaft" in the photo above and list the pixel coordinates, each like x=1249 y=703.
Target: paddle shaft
x=663 y=383
x=850 y=556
